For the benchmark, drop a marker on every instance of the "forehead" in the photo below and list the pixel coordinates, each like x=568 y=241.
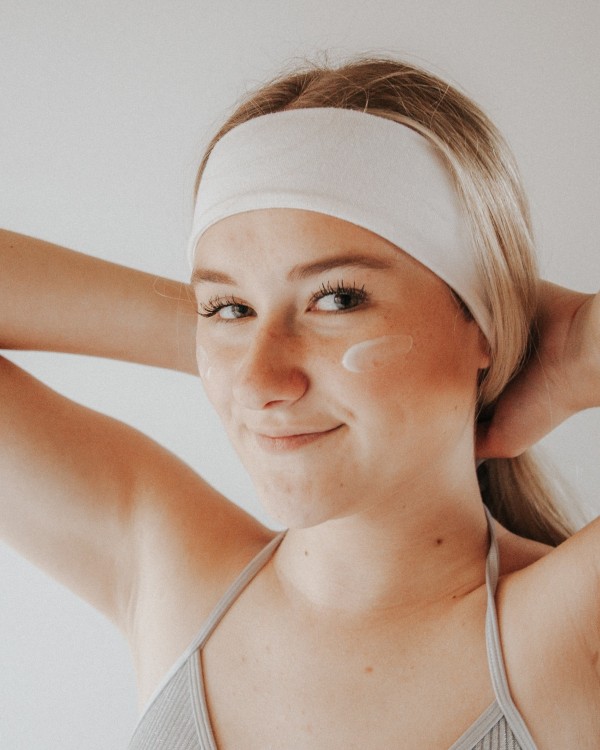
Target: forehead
x=288 y=237
x=276 y=248
x=293 y=245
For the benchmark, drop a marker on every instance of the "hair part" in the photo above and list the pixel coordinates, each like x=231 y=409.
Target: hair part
x=488 y=183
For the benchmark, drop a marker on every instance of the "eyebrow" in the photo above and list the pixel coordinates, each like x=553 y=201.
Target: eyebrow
x=302 y=271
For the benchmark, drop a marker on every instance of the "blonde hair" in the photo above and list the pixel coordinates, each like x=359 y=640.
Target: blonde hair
x=487 y=180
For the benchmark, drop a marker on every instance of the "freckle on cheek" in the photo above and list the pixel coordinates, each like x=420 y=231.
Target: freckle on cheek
x=376 y=353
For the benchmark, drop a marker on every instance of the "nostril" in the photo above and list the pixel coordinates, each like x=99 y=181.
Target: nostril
x=265 y=381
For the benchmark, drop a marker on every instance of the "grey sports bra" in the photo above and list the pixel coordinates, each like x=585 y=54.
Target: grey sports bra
x=176 y=716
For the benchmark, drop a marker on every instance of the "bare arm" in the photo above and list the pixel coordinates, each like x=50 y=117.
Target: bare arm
x=54 y=299
x=561 y=377
x=91 y=501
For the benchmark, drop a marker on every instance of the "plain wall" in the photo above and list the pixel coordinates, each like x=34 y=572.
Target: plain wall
x=106 y=108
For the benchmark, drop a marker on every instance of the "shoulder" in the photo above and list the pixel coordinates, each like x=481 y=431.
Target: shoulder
x=190 y=544
x=548 y=602
x=571 y=570
x=562 y=583
x=516 y=552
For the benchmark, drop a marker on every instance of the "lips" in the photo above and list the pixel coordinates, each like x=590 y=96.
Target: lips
x=301 y=432
x=277 y=443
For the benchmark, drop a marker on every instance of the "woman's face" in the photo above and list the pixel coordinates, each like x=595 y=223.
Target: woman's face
x=283 y=295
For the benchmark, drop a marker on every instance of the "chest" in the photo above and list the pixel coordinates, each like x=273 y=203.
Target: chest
x=278 y=680
x=273 y=678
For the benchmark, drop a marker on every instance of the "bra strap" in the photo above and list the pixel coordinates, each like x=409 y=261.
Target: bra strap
x=494 y=647
x=232 y=593
x=236 y=588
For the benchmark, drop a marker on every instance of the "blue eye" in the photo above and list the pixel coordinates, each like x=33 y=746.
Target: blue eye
x=235 y=308
x=343 y=297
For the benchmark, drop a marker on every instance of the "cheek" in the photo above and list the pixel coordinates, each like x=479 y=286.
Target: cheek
x=378 y=377
x=384 y=372
x=377 y=353
x=377 y=360
x=205 y=367
x=215 y=374
x=445 y=376
x=425 y=374
x=215 y=368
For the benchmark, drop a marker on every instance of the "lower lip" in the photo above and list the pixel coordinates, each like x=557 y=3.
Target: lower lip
x=283 y=444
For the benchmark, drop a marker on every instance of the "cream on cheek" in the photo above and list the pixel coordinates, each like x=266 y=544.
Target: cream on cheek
x=205 y=367
x=375 y=353
x=217 y=366
x=365 y=356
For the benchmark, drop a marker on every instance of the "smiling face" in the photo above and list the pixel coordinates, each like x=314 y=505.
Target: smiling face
x=283 y=295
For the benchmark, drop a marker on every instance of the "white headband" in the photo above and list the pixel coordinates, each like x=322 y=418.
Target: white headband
x=359 y=167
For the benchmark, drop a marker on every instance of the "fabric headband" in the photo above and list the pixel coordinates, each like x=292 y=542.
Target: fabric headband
x=365 y=169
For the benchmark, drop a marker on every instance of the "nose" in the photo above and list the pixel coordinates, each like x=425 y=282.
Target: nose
x=270 y=372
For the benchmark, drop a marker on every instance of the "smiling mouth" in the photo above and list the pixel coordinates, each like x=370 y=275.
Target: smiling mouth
x=285 y=443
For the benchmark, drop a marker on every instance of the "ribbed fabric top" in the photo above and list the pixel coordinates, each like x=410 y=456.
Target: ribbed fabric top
x=176 y=716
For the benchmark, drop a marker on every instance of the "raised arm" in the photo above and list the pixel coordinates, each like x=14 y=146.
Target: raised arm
x=54 y=299
x=93 y=502
x=560 y=378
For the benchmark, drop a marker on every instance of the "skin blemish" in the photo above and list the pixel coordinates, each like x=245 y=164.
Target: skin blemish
x=439 y=541
x=368 y=670
x=375 y=353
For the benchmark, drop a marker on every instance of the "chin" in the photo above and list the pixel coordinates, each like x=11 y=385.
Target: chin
x=298 y=511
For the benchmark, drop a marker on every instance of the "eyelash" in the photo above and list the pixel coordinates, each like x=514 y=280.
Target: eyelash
x=360 y=295
x=215 y=304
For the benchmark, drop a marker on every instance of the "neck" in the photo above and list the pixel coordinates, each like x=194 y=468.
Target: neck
x=399 y=555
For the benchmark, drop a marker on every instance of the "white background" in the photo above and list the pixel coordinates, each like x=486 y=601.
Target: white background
x=106 y=107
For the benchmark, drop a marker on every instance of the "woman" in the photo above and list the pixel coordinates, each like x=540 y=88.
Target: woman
x=370 y=328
